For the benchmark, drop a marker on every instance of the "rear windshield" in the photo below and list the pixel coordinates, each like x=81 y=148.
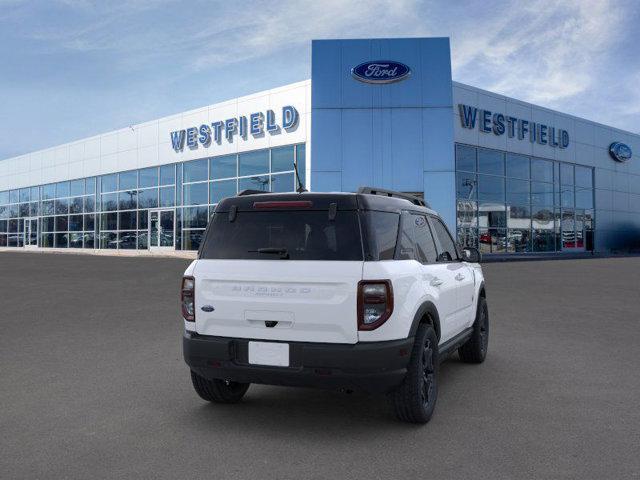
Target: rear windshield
x=282 y=235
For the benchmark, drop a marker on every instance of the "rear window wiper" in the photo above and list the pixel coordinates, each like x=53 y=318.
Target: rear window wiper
x=283 y=252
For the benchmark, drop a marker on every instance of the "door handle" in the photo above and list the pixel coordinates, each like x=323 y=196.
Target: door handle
x=459 y=277
x=436 y=282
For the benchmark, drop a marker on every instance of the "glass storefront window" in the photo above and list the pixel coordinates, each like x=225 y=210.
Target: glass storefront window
x=542 y=170
x=117 y=205
x=222 y=189
x=566 y=174
x=491 y=188
x=584 y=177
x=167 y=175
x=466 y=185
x=465 y=158
x=490 y=161
x=282 y=182
x=62 y=189
x=517 y=166
x=223 y=167
x=492 y=240
x=167 y=195
x=541 y=193
x=128 y=180
x=76 y=188
x=195 y=170
x=148 y=198
x=251 y=163
x=109 y=183
x=196 y=194
x=520 y=201
x=282 y=159
x=254 y=183
x=148 y=177
x=518 y=191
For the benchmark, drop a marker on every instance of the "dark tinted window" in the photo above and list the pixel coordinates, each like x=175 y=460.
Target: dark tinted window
x=425 y=247
x=406 y=239
x=303 y=235
x=447 y=248
x=381 y=234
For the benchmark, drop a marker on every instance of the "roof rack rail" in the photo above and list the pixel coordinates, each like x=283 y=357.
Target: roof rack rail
x=249 y=191
x=392 y=193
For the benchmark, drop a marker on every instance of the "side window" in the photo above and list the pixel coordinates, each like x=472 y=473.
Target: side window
x=406 y=241
x=447 y=248
x=381 y=234
x=425 y=247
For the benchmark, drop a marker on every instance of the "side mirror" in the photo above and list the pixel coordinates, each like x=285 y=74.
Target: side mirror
x=471 y=255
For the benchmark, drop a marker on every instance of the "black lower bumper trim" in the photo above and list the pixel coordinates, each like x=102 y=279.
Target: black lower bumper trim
x=371 y=367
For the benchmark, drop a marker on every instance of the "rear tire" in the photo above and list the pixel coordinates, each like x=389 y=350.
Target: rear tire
x=218 y=391
x=415 y=399
x=475 y=349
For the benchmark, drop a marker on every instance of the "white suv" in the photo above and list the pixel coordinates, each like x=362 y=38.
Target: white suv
x=354 y=291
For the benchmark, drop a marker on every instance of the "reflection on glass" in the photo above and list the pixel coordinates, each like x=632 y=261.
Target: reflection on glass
x=491 y=188
x=519 y=240
x=492 y=240
x=492 y=215
x=568 y=228
x=254 y=183
x=466 y=186
x=148 y=198
x=465 y=158
x=541 y=193
x=223 y=189
x=109 y=183
x=196 y=194
x=223 y=167
x=128 y=180
x=490 y=161
x=61 y=240
x=195 y=170
x=282 y=159
x=282 y=183
x=148 y=177
x=251 y=163
x=127 y=240
x=517 y=166
x=517 y=191
x=168 y=175
x=75 y=240
x=541 y=170
x=192 y=239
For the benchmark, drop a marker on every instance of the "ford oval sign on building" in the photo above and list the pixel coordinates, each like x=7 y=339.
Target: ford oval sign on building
x=380 y=71
x=620 y=152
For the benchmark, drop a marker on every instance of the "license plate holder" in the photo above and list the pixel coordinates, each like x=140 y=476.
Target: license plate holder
x=272 y=354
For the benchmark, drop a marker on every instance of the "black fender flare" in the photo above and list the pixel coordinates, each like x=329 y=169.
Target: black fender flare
x=427 y=308
x=482 y=292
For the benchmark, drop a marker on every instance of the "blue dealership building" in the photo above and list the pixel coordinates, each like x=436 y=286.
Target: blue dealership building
x=507 y=176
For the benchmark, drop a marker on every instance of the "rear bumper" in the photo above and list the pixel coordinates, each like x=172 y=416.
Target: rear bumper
x=371 y=367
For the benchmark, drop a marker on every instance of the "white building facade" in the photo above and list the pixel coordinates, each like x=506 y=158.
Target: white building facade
x=507 y=176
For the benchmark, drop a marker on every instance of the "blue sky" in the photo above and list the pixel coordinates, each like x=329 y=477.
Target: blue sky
x=75 y=68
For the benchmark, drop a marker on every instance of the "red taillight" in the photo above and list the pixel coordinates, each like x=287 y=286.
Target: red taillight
x=375 y=303
x=187 y=298
x=283 y=204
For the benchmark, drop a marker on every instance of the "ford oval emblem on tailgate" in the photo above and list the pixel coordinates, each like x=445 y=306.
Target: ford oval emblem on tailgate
x=207 y=308
x=380 y=71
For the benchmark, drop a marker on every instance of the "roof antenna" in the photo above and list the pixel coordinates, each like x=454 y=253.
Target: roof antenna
x=300 y=188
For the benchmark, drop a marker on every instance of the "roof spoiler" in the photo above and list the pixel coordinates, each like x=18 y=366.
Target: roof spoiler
x=392 y=193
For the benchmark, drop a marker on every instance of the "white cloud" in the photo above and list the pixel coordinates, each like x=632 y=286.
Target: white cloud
x=550 y=53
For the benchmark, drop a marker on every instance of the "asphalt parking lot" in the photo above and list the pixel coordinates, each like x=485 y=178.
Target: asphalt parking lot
x=93 y=385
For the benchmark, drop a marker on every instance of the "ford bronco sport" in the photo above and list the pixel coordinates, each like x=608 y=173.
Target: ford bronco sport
x=355 y=291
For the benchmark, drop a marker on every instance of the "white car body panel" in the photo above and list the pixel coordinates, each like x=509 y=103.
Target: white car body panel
x=312 y=301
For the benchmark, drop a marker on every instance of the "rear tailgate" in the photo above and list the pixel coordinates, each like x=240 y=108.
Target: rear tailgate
x=288 y=300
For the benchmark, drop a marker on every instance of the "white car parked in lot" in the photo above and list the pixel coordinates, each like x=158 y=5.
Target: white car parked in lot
x=363 y=291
